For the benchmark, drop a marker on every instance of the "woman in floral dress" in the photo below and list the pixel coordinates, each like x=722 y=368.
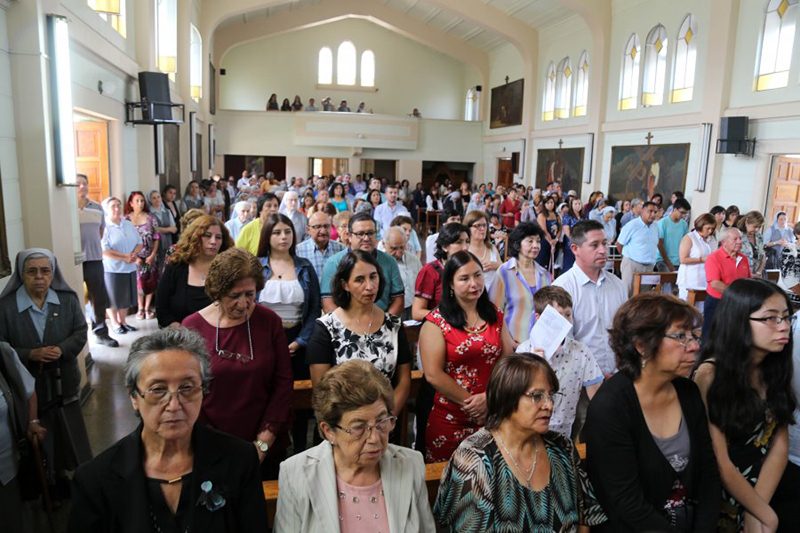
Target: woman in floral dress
x=147 y=267
x=459 y=343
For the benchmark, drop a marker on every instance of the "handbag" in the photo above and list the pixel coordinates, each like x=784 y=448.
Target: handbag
x=148 y=278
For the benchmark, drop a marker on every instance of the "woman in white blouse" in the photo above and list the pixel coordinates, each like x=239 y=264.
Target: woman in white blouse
x=694 y=248
x=292 y=292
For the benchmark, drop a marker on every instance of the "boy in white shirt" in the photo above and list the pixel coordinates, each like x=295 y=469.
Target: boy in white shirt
x=574 y=366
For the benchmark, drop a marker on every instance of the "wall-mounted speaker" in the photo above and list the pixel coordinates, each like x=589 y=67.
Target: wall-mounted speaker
x=732 y=135
x=154 y=88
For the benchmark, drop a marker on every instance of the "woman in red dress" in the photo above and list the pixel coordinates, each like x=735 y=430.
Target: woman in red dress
x=460 y=342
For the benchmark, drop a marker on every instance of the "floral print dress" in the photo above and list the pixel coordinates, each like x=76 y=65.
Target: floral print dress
x=147 y=275
x=469 y=359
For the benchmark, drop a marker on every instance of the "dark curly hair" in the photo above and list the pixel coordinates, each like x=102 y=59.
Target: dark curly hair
x=341 y=297
x=520 y=233
x=188 y=247
x=643 y=320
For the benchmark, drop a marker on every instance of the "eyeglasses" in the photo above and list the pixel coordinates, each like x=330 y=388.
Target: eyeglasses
x=364 y=235
x=316 y=227
x=481 y=225
x=359 y=429
x=162 y=395
x=775 y=321
x=538 y=397
x=684 y=339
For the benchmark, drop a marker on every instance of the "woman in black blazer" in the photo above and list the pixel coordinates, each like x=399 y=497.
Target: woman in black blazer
x=170 y=474
x=649 y=453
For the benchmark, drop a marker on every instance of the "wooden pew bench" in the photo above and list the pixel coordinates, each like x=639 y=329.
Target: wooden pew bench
x=663 y=278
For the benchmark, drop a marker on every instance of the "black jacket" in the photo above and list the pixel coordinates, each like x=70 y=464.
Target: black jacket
x=109 y=493
x=631 y=477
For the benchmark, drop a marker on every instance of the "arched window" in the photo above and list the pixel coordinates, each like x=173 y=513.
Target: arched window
x=776 y=45
x=563 y=88
x=167 y=36
x=629 y=80
x=582 y=85
x=472 y=105
x=549 y=101
x=196 y=64
x=346 y=64
x=367 y=69
x=325 y=66
x=655 y=66
x=685 y=60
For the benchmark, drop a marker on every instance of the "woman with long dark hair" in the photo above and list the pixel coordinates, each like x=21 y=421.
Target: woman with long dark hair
x=459 y=343
x=746 y=383
x=548 y=221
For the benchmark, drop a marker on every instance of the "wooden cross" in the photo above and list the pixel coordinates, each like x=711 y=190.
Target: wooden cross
x=560 y=143
x=506 y=80
x=649 y=138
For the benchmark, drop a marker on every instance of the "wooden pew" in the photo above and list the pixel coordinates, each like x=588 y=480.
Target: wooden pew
x=433 y=476
x=663 y=277
x=695 y=295
x=772 y=275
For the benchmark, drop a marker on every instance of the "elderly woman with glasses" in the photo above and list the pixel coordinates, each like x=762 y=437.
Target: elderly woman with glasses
x=355 y=480
x=649 y=454
x=251 y=394
x=514 y=474
x=169 y=474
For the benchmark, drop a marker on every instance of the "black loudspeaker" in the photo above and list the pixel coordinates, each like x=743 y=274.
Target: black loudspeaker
x=515 y=162
x=154 y=88
x=479 y=88
x=732 y=133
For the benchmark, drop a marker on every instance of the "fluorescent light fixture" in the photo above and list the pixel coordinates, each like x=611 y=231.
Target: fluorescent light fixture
x=705 y=150
x=61 y=99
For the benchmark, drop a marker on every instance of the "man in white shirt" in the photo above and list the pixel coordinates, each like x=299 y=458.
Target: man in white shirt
x=244 y=181
x=395 y=245
x=385 y=212
x=596 y=294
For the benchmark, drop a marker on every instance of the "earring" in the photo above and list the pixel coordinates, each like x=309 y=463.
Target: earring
x=452 y=294
x=644 y=363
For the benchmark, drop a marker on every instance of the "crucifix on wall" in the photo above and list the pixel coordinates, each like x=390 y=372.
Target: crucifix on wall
x=506 y=80
x=560 y=143
x=649 y=138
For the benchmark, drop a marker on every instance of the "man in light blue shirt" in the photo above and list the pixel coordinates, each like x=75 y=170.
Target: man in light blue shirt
x=671 y=229
x=638 y=243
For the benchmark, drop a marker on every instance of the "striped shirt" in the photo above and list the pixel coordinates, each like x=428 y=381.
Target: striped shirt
x=512 y=294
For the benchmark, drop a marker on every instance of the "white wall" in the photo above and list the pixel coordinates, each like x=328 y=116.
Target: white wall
x=9 y=171
x=640 y=16
x=748 y=44
x=744 y=181
x=407 y=74
x=568 y=38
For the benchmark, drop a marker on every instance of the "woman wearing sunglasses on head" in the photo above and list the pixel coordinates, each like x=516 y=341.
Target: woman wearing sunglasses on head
x=251 y=394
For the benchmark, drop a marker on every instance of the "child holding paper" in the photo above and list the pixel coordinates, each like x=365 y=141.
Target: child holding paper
x=575 y=367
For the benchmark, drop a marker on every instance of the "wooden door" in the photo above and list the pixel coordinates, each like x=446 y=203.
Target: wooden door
x=786 y=188
x=505 y=172
x=91 y=156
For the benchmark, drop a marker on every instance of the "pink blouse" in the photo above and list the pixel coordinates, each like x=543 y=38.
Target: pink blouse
x=362 y=509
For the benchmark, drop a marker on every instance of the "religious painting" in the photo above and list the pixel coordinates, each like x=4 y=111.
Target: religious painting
x=641 y=171
x=506 y=109
x=557 y=164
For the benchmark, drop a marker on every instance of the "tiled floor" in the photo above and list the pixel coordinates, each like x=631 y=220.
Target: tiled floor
x=108 y=412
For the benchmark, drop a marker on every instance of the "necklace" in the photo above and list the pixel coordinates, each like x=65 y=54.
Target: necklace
x=474 y=328
x=368 y=330
x=528 y=474
x=225 y=354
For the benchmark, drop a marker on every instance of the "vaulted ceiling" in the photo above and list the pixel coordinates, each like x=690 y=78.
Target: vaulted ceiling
x=462 y=20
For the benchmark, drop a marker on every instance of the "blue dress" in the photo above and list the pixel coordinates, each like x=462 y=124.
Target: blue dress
x=569 y=257
x=547 y=254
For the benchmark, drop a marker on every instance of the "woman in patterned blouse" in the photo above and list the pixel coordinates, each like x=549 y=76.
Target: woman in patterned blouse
x=514 y=474
x=359 y=329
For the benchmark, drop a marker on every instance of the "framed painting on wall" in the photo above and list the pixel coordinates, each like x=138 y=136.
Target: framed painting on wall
x=564 y=165
x=641 y=171
x=506 y=107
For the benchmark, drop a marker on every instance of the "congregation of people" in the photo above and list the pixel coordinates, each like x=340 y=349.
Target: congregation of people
x=556 y=398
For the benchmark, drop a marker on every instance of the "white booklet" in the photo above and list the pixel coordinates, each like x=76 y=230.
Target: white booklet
x=549 y=331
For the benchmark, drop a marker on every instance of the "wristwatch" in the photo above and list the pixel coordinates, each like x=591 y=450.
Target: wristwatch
x=262 y=446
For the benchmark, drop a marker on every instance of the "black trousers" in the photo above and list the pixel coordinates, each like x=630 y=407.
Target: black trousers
x=93 y=277
x=709 y=308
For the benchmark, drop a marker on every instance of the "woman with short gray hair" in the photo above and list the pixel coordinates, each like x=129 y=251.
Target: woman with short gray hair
x=170 y=474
